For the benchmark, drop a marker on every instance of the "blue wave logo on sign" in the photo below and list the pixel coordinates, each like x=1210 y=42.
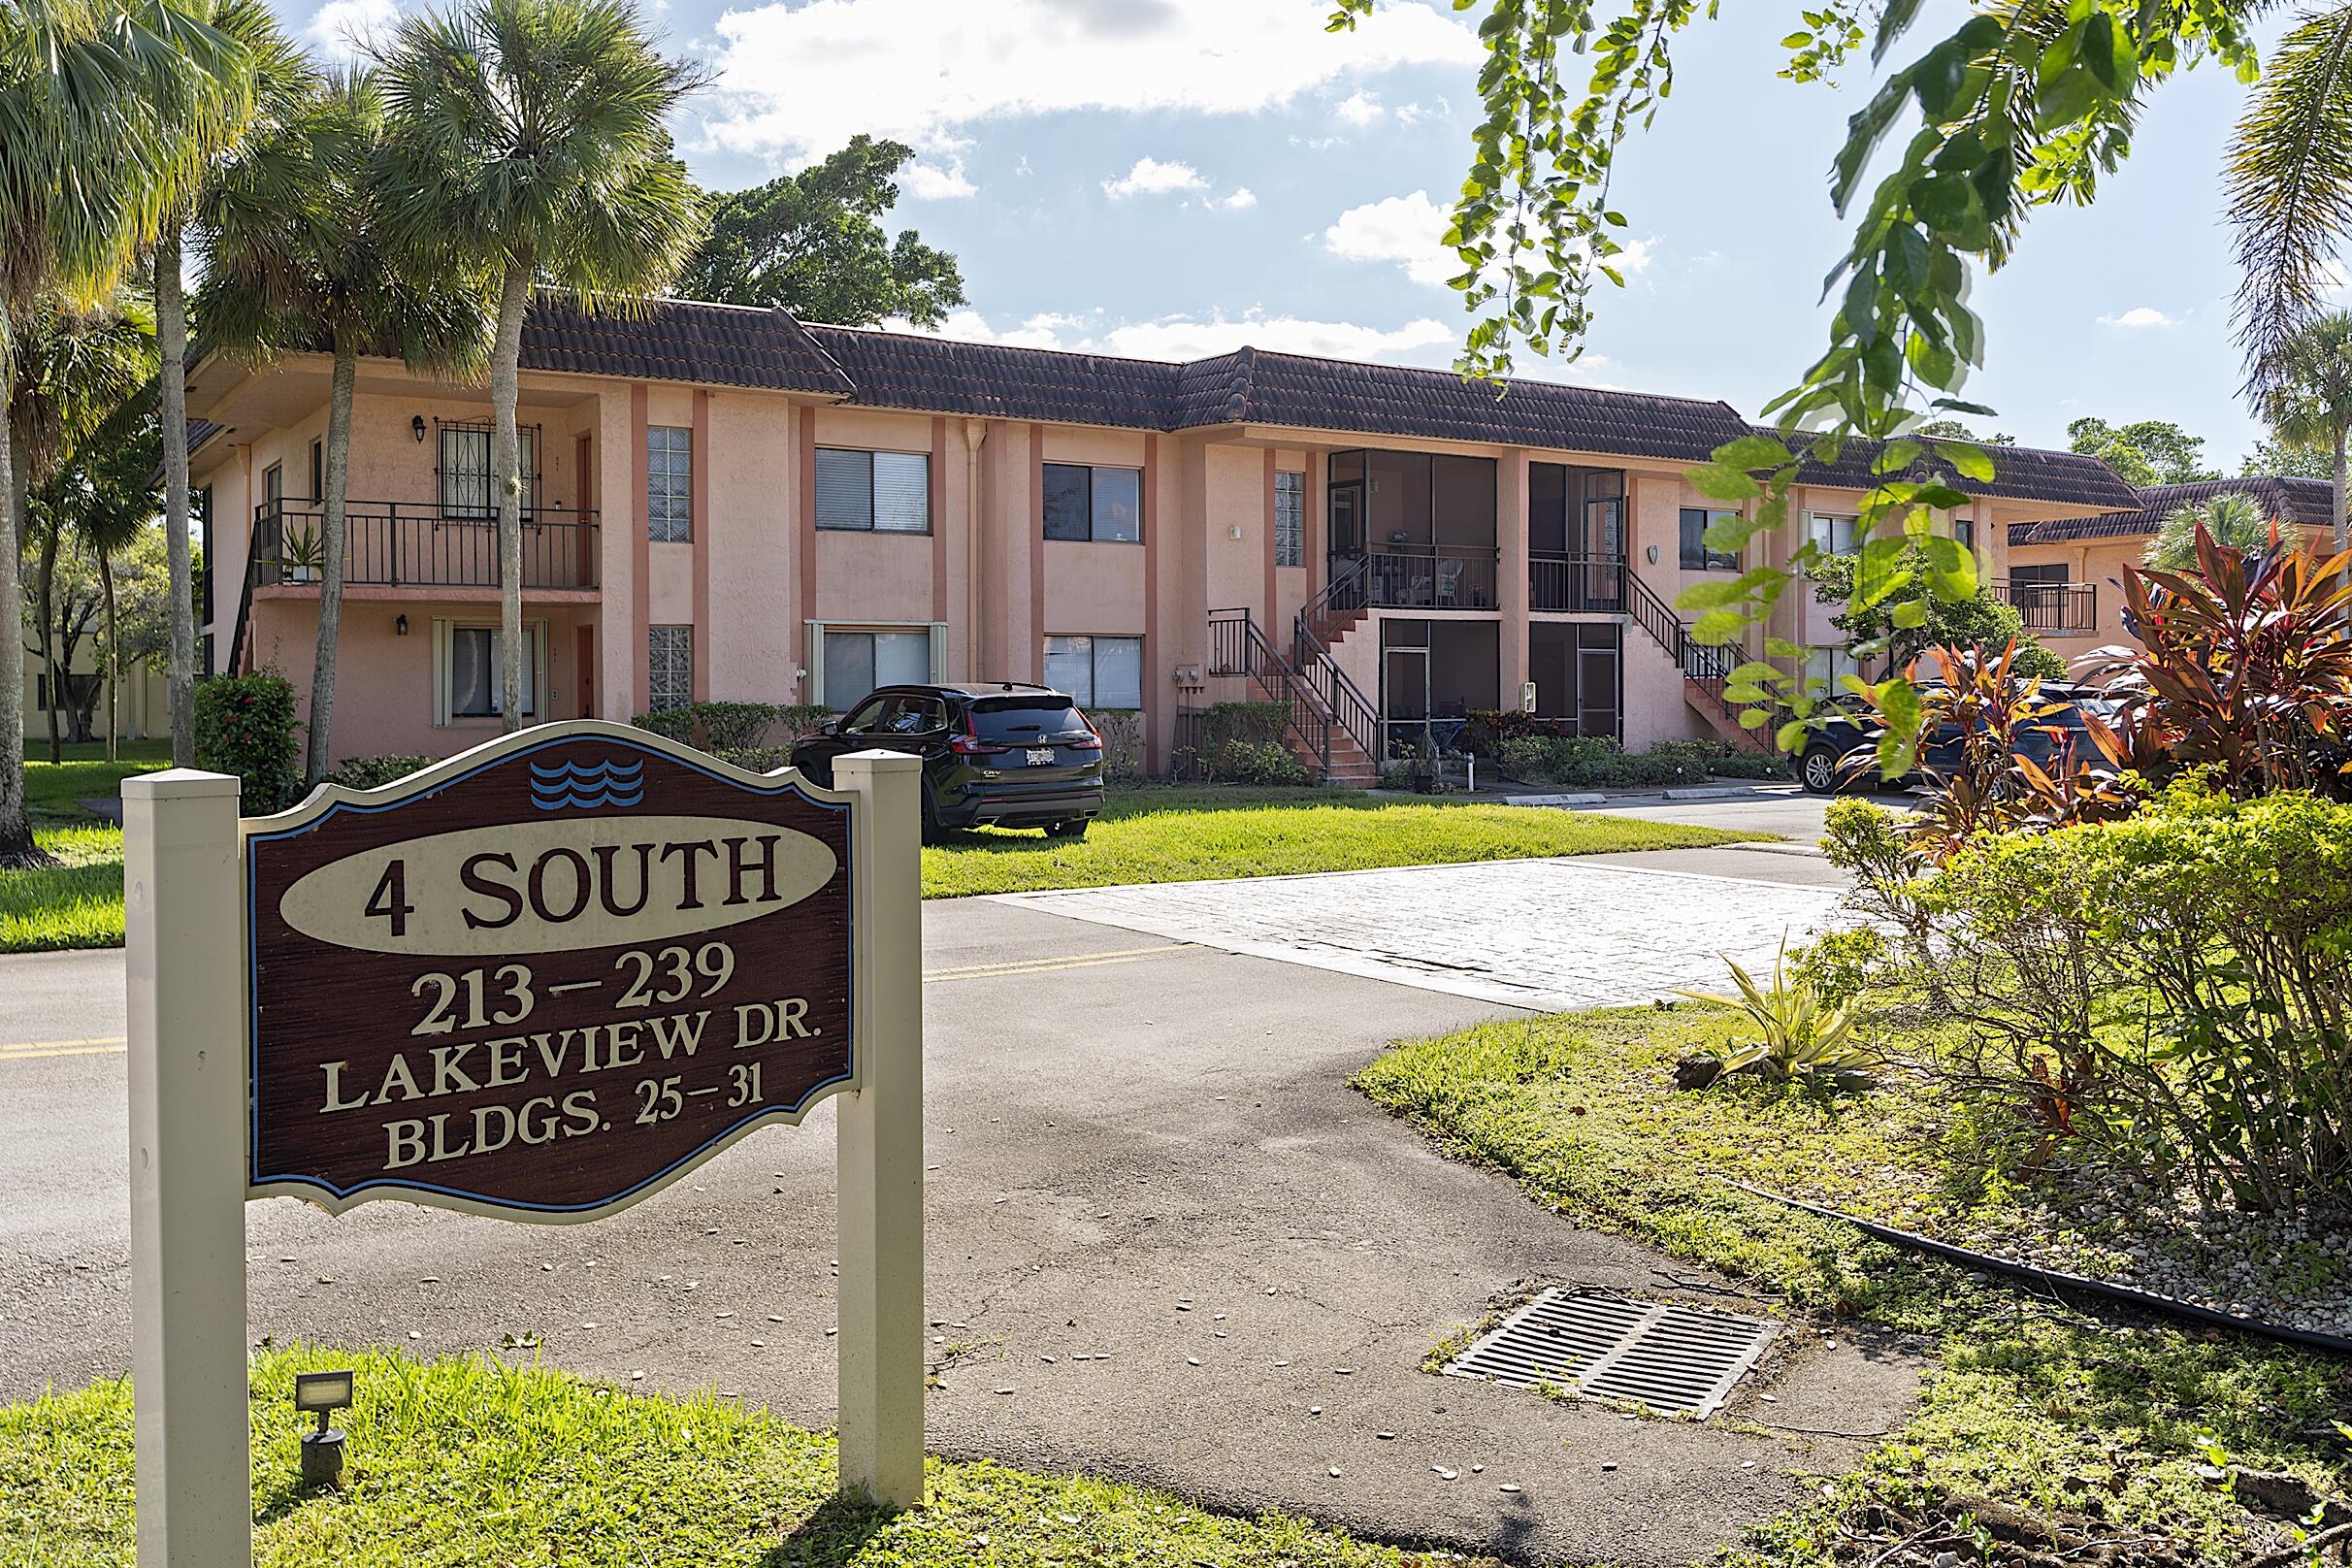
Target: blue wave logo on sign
x=569 y=784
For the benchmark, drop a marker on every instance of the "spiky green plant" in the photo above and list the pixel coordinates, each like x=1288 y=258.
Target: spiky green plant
x=1796 y=1033
x=2236 y=522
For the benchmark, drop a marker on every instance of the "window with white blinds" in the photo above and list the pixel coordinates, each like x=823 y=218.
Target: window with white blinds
x=669 y=483
x=873 y=492
x=1096 y=671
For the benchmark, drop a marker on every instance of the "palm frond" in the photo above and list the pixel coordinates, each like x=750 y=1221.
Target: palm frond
x=2290 y=187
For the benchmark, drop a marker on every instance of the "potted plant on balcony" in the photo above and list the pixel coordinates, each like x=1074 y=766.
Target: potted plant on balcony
x=305 y=553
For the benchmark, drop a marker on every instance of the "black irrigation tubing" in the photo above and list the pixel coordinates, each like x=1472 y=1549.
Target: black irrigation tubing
x=2059 y=1282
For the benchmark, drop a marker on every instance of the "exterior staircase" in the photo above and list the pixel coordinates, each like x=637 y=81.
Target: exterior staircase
x=1330 y=729
x=1706 y=669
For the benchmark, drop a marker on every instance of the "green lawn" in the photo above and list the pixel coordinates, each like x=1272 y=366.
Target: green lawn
x=1164 y=834
x=2037 y=1406
x=468 y=1463
x=79 y=903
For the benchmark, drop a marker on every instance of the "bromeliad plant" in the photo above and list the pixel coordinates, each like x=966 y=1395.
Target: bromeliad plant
x=1796 y=1033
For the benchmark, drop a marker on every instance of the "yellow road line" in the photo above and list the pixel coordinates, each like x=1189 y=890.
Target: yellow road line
x=60 y=1048
x=56 y=1045
x=1074 y=961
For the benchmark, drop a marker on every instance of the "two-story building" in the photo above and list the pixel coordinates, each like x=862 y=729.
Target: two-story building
x=2066 y=574
x=724 y=503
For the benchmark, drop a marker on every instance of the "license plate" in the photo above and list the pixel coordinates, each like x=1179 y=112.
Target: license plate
x=1041 y=756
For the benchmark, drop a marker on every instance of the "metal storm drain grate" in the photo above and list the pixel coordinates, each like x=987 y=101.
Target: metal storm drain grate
x=1671 y=1358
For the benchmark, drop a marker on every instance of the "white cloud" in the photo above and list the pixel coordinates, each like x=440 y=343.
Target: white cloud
x=1152 y=177
x=1423 y=341
x=1359 y=109
x=1242 y=197
x=1403 y=229
x=343 y=30
x=937 y=181
x=2138 y=317
x=797 y=81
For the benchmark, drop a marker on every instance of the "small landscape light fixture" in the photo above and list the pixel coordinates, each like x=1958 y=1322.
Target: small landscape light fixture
x=400 y=626
x=416 y=427
x=322 y=1450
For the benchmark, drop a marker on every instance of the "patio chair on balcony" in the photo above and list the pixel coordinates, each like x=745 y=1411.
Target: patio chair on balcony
x=1449 y=581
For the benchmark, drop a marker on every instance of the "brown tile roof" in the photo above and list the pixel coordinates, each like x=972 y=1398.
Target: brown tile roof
x=680 y=340
x=903 y=369
x=2019 y=473
x=2288 y=500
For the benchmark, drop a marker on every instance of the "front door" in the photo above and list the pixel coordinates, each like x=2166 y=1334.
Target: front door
x=585 y=646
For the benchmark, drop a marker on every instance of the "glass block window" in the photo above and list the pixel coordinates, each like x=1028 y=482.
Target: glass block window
x=669 y=483
x=1290 y=519
x=1082 y=502
x=669 y=667
x=879 y=492
x=1096 y=671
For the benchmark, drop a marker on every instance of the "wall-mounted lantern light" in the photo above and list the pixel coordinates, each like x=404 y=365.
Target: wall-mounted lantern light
x=400 y=626
x=1654 y=555
x=322 y=1450
x=416 y=426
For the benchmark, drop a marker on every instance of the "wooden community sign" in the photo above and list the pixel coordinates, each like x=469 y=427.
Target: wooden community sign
x=540 y=981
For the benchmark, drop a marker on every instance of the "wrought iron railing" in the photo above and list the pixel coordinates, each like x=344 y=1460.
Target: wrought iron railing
x=406 y=543
x=1238 y=646
x=1593 y=584
x=1341 y=698
x=1403 y=576
x=2053 y=608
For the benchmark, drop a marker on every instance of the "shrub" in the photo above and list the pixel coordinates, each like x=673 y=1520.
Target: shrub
x=1258 y=723
x=1841 y=964
x=1485 y=732
x=1795 y=1032
x=724 y=727
x=1595 y=762
x=244 y=725
x=1261 y=762
x=371 y=772
x=1121 y=731
x=757 y=759
x=1396 y=776
x=2169 y=984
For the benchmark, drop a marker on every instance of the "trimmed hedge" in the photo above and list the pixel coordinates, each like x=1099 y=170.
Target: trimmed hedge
x=724 y=727
x=373 y=772
x=244 y=725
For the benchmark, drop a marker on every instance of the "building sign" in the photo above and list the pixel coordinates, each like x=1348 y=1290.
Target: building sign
x=542 y=983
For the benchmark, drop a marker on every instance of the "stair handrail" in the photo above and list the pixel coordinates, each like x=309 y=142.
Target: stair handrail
x=1344 y=592
x=1342 y=698
x=1706 y=665
x=244 y=592
x=1239 y=646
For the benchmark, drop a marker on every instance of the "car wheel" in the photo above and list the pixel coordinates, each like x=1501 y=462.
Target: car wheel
x=933 y=833
x=1068 y=829
x=1819 y=772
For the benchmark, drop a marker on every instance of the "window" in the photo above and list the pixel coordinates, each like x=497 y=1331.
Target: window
x=1696 y=556
x=1290 y=519
x=203 y=510
x=319 y=471
x=1836 y=536
x=669 y=483
x=474 y=673
x=878 y=492
x=857 y=662
x=1826 y=665
x=669 y=667
x=1103 y=504
x=274 y=485
x=1096 y=671
x=1963 y=529
x=466 y=485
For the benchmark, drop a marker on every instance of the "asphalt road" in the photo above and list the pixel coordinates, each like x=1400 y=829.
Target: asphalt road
x=1116 y=1126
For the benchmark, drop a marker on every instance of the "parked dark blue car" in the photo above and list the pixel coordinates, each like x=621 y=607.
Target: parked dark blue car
x=1842 y=753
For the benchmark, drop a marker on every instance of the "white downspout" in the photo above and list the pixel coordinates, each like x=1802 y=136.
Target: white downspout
x=975 y=431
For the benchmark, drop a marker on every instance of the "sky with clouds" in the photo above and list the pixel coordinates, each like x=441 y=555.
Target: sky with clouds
x=1173 y=177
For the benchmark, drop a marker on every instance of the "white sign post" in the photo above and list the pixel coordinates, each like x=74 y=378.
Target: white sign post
x=218 y=1075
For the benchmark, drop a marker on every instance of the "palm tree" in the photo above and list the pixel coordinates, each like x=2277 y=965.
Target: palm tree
x=299 y=259
x=103 y=104
x=2310 y=398
x=273 y=79
x=2236 y=522
x=105 y=497
x=527 y=144
x=72 y=374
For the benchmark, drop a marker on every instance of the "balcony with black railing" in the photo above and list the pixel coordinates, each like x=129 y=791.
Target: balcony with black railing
x=1577 y=584
x=421 y=544
x=1419 y=576
x=2053 y=608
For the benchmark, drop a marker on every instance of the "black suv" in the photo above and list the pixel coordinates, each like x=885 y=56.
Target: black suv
x=1012 y=756
x=1840 y=753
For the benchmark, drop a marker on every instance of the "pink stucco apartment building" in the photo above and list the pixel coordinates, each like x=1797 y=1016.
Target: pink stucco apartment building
x=729 y=503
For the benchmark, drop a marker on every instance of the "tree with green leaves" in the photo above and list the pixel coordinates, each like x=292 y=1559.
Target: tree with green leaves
x=2286 y=459
x=528 y=143
x=1982 y=621
x=272 y=78
x=1954 y=147
x=2236 y=522
x=1957 y=429
x=72 y=373
x=106 y=499
x=2144 y=452
x=299 y=258
x=2309 y=397
x=813 y=243
x=103 y=105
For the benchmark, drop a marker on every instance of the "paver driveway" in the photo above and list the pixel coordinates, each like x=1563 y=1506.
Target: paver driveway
x=1554 y=935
